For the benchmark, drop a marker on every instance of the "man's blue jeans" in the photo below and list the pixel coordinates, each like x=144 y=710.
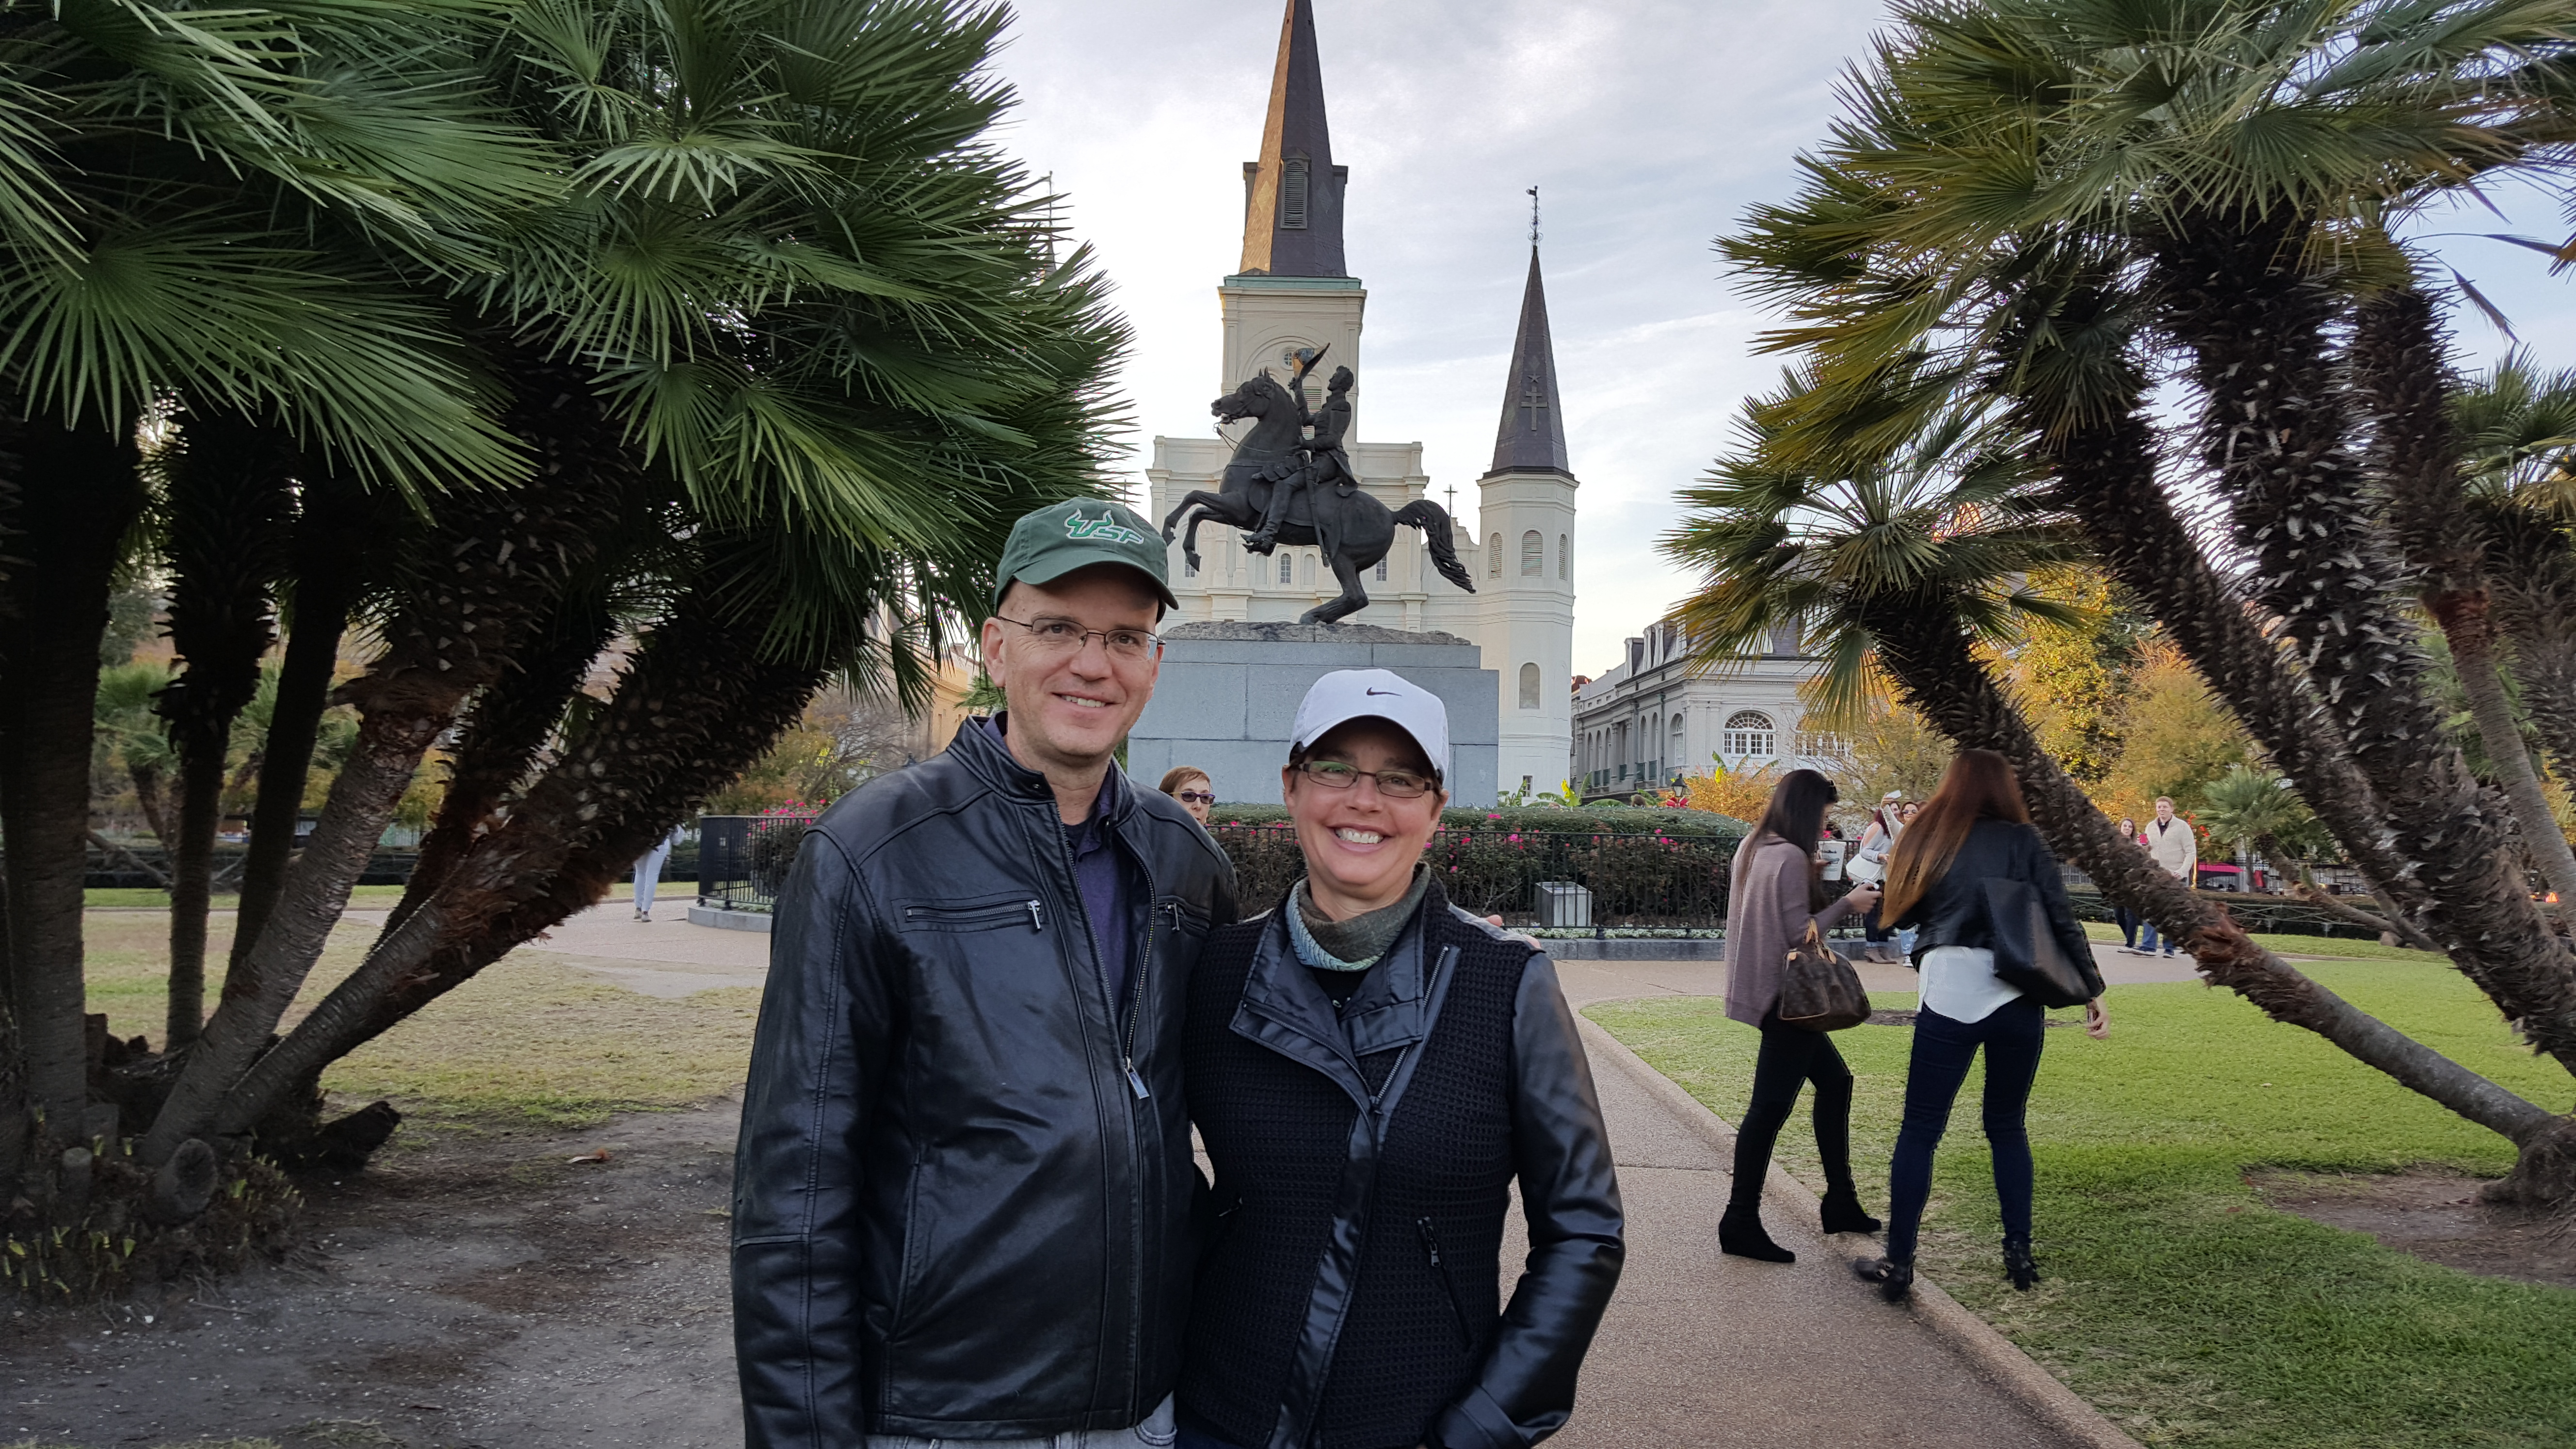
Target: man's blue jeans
x=2147 y=939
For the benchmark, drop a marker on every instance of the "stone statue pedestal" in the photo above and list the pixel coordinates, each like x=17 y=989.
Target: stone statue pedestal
x=1228 y=694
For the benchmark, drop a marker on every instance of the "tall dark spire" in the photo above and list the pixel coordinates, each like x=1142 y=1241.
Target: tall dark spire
x=1532 y=437
x=1292 y=213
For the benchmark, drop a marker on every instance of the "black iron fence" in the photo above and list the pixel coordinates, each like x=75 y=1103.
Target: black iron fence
x=1640 y=880
x=743 y=860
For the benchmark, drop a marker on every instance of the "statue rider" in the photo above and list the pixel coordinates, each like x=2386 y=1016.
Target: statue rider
x=1318 y=460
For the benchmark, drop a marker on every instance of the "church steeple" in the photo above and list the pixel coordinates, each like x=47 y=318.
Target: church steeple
x=1532 y=436
x=1292 y=214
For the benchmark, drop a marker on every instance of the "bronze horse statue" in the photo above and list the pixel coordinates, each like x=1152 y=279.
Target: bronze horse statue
x=1356 y=530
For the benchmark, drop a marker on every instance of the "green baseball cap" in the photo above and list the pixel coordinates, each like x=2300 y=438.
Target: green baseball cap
x=1062 y=537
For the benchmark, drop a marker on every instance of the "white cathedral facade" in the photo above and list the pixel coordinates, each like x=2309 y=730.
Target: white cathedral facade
x=1293 y=291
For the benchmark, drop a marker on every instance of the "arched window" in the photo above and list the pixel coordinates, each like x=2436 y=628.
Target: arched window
x=1286 y=563
x=1494 y=557
x=1564 y=557
x=1533 y=555
x=1750 y=733
x=1529 y=686
x=1675 y=757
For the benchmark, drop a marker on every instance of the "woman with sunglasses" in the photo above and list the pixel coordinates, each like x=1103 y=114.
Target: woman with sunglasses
x=1191 y=786
x=1372 y=1069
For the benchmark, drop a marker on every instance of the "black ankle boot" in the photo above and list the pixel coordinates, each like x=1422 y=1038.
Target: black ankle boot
x=1741 y=1233
x=1895 y=1280
x=2019 y=1265
x=1843 y=1214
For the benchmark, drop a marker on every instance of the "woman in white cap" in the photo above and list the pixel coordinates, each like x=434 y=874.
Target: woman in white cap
x=1371 y=1069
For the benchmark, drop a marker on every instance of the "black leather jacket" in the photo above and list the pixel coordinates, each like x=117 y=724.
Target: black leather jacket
x=1953 y=911
x=957 y=1212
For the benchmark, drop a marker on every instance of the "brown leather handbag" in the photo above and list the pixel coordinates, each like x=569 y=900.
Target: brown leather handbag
x=1819 y=990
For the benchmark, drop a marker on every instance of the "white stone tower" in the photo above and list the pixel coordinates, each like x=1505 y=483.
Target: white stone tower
x=1526 y=512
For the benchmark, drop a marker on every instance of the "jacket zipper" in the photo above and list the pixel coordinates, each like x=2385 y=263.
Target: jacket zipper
x=1448 y=1290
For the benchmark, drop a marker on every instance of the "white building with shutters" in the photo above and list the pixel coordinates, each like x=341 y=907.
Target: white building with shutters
x=1652 y=719
x=1292 y=291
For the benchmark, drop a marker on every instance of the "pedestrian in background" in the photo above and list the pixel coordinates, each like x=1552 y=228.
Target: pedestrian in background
x=1869 y=864
x=2127 y=919
x=1974 y=829
x=2176 y=847
x=1775 y=897
x=1191 y=786
x=648 y=873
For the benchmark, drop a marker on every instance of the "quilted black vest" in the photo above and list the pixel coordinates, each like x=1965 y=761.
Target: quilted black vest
x=1427 y=1240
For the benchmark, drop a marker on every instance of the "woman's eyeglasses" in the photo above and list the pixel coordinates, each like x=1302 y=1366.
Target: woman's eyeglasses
x=1064 y=636
x=1393 y=784
x=1196 y=797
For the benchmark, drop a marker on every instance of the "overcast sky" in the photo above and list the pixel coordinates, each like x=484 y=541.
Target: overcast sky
x=1647 y=125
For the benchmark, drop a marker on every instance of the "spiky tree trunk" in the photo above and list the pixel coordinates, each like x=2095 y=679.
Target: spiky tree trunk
x=2274 y=432
x=2531 y=562
x=228 y=500
x=1943 y=680
x=332 y=556
x=481 y=581
x=696 y=706
x=507 y=731
x=2400 y=362
x=78 y=494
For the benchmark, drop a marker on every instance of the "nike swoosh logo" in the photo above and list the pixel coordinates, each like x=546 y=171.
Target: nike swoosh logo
x=1389 y=693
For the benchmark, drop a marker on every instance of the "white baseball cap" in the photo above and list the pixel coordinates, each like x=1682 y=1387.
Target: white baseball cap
x=1348 y=694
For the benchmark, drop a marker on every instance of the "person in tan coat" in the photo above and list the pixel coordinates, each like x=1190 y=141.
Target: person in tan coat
x=1776 y=894
x=2176 y=847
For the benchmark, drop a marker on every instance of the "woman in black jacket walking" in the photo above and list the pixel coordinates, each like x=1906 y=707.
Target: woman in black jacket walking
x=1371 y=1069
x=1974 y=828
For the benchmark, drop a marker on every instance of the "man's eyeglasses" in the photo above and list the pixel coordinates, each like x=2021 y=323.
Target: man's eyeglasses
x=1064 y=636
x=1393 y=784
x=1196 y=797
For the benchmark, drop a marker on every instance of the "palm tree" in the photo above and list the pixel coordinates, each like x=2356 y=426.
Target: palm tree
x=799 y=338
x=2032 y=197
x=1908 y=567
x=214 y=204
x=2517 y=432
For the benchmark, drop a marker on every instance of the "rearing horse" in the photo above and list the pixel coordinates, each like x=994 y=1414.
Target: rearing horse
x=1362 y=529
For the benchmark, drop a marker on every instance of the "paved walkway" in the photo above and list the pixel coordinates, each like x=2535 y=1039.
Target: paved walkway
x=1699 y=1349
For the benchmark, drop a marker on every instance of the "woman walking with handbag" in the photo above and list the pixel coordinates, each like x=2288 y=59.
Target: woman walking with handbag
x=1868 y=865
x=1775 y=900
x=1974 y=843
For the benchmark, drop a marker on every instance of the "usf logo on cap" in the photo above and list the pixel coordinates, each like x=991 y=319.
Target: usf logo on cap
x=1104 y=529
x=1078 y=533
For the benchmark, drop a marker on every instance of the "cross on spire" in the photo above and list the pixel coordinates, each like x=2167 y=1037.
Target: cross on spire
x=1533 y=401
x=1531 y=438
x=1533 y=196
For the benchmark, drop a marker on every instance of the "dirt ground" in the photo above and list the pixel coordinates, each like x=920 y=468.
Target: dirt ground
x=2435 y=1216
x=480 y=1290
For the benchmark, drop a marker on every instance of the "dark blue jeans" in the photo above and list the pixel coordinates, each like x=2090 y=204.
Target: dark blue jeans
x=1942 y=1050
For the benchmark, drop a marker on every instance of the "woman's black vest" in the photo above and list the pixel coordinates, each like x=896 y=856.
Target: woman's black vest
x=1367 y=1360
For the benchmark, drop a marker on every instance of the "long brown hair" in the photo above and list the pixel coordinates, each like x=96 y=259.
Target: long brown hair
x=1795 y=814
x=1979 y=785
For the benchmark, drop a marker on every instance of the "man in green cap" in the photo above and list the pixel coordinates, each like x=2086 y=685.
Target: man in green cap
x=962 y=1190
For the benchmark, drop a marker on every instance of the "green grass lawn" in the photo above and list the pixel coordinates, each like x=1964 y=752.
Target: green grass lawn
x=2339 y=947
x=2173 y=1298
x=156 y=899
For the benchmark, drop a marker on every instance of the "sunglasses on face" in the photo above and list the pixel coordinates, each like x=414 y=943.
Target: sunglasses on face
x=1196 y=797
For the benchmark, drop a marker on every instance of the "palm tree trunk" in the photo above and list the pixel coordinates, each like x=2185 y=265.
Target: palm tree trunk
x=331 y=562
x=499 y=558
x=2275 y=428
x=229 y=481
x=509 y=727
x=152 y=797
x=2401 y=363
x=2106 y=481
x=78 y=496
x=1945 y=682
x=2532 y=570
x=693 y=711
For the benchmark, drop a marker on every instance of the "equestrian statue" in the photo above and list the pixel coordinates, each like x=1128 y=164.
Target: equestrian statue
x=1288 y=487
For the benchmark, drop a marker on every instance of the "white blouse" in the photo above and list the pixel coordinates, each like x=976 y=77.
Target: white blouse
x=1960 y=983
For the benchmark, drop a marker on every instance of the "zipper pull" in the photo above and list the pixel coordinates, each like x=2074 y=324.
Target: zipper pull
x=1135 y=1081
x=1430 y=1241
x=1037 y=916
